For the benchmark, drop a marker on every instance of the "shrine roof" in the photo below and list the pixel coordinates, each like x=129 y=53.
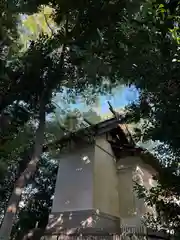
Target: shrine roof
x=106 y=127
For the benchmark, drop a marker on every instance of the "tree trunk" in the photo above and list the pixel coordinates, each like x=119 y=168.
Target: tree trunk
x=6 y=227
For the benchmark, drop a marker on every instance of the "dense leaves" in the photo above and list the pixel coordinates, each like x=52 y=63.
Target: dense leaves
x=94 y=45
x=156 y=75
x=37 y=199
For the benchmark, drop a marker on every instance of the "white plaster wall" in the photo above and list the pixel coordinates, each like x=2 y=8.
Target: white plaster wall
x=129 y=161
x=74 y=184
x=127 y=197
x=88 y=179
x=126 y=194
x=147 y=180
x=105 y=178
x=132 y=209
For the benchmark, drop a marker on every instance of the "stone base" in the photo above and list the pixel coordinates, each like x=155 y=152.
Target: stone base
x=84 y=221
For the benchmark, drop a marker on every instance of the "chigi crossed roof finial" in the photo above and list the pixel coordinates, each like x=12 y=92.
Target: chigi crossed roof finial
x=116 y=114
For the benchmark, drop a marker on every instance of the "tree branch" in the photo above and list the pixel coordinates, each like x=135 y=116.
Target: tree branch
x=52 y=32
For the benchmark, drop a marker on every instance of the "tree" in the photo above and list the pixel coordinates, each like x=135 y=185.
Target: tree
x=37 y=202
x=38 y=194
x=86 y=51
x=163 y=197
x=24 y=177
x=156 y=72
x=31 y=75
x=33 y=25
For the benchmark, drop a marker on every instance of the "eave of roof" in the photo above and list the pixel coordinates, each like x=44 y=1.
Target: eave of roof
x=95 y=130
x=102 y=128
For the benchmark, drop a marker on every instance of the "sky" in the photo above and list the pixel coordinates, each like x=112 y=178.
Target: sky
x=120 y=97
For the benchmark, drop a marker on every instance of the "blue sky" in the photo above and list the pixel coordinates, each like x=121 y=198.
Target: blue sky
x=120 y=97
